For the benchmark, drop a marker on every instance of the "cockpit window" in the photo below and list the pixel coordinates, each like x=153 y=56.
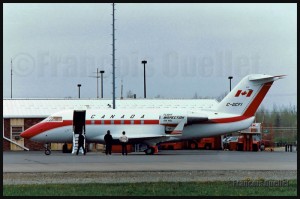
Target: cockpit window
x=53 y=119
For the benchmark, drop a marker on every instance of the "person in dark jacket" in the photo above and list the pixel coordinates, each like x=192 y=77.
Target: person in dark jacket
x=80 y=143
x=108 y=142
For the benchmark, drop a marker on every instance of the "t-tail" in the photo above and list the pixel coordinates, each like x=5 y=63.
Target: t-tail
x=247 y=95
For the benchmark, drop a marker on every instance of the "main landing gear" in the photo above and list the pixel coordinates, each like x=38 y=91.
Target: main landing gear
x=151 y=150
x=47 y=149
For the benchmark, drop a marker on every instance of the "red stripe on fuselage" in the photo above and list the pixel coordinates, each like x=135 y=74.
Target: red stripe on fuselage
x=46 y=126
x=137 y=121
x=227 y=120
x=108 y=122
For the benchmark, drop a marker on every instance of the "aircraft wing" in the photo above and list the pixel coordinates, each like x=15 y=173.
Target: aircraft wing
x=173 y=136
x=151 y=141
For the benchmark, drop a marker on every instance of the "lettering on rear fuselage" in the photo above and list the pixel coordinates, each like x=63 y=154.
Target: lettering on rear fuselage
x=234 y=104
x=171 y=117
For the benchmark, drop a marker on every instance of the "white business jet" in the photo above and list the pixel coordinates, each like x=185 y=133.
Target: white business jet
x=153 y=126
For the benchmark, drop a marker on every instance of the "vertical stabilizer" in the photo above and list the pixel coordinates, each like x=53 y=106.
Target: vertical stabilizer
x=247 y=95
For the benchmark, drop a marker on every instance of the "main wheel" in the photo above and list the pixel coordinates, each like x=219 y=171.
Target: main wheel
x=149 y=151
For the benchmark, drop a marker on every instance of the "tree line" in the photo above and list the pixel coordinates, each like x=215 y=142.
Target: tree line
x=279 y=116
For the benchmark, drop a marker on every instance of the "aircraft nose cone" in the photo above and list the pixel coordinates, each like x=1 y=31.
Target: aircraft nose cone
x=26 y=134
x=32 y=131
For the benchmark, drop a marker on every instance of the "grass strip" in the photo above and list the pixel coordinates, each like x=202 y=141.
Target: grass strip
x=218 y=188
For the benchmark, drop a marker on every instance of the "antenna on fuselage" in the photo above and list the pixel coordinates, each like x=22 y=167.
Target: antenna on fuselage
x=121 y=89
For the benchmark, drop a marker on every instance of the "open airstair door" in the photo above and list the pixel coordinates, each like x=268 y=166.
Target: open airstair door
x=78 y=128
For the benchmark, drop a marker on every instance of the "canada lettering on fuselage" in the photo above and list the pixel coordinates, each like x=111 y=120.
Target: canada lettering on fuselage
x=113 y=116
x=164 y=117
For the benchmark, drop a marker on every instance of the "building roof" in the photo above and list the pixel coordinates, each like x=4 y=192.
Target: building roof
x=41 y=108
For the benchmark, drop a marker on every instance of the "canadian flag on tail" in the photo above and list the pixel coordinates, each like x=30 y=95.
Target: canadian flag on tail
x=241 y=92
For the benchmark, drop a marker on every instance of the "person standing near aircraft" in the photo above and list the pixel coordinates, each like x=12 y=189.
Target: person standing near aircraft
x=108 y=142
x=80 y=143
x=123 y=139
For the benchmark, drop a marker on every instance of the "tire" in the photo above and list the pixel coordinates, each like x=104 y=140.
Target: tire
x=149 y=151
x=47 y=152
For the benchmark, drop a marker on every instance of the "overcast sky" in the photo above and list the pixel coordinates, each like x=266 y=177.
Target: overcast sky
x=190 y=48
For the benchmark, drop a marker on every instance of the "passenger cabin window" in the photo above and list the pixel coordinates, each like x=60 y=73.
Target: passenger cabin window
x=53 y=119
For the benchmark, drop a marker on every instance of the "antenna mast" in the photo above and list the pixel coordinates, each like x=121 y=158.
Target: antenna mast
x=97 y=76
x=113 y=57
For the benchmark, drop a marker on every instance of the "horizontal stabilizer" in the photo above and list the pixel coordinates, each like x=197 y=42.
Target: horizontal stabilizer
x=265 y=78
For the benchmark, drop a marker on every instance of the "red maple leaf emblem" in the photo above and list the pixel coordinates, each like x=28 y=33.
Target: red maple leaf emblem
x=241 y=92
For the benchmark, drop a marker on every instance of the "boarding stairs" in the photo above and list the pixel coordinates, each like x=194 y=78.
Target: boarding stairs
x=75 y=143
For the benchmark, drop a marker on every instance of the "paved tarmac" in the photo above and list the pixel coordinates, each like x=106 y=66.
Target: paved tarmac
x=177 y=160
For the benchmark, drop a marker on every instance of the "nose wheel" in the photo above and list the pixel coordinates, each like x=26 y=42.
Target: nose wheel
x=47 y=149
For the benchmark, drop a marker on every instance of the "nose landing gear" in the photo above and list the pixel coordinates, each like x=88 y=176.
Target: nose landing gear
x=47 y=149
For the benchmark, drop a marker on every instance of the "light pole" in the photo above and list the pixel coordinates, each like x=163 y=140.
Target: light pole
x=113 y=57
x=144 y=62
x=101 y=71
x=230 y=77
x=11 y=78
x=78 y=90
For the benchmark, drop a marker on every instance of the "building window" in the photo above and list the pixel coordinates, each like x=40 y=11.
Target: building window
x=53 y=119
x=16 y=131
